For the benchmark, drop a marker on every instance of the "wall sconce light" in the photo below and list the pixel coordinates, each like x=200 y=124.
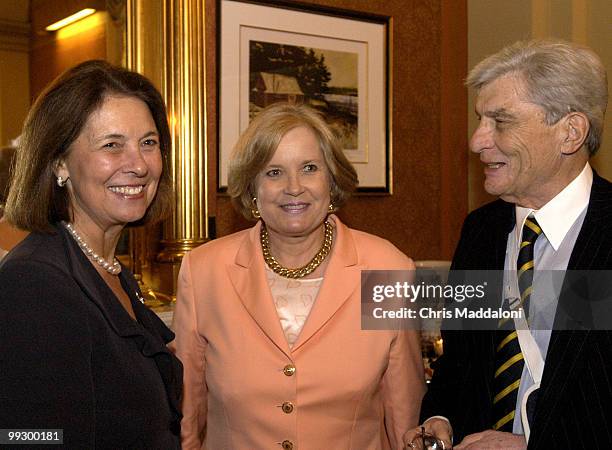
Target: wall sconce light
x=70 y=19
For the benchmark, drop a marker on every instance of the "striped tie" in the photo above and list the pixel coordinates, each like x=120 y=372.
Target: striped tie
x=508 y=357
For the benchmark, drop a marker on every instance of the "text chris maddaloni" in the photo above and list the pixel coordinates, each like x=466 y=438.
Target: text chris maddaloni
x=425 y=301
x=444 y=313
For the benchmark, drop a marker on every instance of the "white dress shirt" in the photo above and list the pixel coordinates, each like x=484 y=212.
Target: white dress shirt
x=560 y=220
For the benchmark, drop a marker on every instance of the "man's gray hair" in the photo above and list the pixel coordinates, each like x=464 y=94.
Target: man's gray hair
x=559 y=76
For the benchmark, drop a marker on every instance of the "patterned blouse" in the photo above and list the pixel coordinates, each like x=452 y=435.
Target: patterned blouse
x=293 y=300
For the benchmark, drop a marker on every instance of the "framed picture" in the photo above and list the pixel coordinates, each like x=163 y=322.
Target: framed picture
x=336 y=63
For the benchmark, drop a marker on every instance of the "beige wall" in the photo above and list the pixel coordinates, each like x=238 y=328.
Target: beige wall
x=494 y=24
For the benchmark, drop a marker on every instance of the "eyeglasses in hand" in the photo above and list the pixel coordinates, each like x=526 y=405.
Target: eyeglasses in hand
x=425 y=441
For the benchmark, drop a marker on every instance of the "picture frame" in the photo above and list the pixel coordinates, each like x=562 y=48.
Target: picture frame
x=337 y=62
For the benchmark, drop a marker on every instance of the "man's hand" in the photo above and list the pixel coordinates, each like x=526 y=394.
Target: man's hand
x=492 y=439
x=439 y=428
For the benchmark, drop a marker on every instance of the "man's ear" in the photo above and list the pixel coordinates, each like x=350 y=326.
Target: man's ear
x=575 y=127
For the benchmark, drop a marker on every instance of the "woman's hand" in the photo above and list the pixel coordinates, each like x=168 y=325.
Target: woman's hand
x=436 y=427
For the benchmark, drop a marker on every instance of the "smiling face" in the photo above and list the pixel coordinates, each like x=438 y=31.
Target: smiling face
x=293 y=189
x=114 y=165
x=524 y=162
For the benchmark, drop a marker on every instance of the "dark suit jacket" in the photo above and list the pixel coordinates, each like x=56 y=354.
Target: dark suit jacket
x=72 y=358
x=575 y=400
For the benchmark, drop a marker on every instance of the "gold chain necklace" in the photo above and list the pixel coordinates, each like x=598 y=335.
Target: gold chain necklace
x=301 y=271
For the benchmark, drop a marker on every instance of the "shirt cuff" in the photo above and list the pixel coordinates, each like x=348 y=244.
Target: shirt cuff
x=437 y=417
x=445 y=419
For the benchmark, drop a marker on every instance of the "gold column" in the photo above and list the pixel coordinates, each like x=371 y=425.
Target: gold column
x=185 y=93
x=165 y=42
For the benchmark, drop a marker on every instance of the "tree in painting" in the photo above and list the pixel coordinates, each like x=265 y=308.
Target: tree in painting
x=304 y=65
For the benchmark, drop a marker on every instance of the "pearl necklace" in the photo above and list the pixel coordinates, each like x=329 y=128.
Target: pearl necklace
x=300 y=271
x=113 y=268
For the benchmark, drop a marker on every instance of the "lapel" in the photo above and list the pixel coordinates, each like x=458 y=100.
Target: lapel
x=564 y=351
x=98 y=292
x=503 y=222
x=482 y=248
x=145 y=333
x=484 y=238
x=342 y=277
x=565 y=347
x=248 y=277
x=599 y=213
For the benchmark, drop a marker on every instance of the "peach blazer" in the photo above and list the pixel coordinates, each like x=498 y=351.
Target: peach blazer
x=339 y=388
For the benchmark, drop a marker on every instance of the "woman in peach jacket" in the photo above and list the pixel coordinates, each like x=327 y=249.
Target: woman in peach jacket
x=276 y=357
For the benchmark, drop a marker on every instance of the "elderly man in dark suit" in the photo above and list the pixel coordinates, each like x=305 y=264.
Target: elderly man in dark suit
x=541 y=108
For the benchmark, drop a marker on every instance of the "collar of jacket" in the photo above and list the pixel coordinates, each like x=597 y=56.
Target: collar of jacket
x=341 y=279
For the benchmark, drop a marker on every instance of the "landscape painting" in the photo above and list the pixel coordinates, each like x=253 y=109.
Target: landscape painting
x=335 y=63
x=324 y=79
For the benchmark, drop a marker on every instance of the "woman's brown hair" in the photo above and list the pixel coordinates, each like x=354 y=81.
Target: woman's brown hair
x=56 y=119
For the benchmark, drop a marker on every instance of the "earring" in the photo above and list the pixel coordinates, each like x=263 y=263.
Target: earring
x=254 y=210
x=331 y=208
x=61 y=182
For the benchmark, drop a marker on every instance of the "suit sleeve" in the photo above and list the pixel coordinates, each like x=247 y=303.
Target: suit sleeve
x=403 y=386
x=447 y=378
x=45 y=351
x=447 y=383
x=190 y=348
x=452 y=376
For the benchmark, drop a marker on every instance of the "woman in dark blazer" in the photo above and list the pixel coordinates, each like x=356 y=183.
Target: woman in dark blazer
x=78 y=349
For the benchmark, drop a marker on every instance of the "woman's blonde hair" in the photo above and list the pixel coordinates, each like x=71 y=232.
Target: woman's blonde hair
x=257 y=145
